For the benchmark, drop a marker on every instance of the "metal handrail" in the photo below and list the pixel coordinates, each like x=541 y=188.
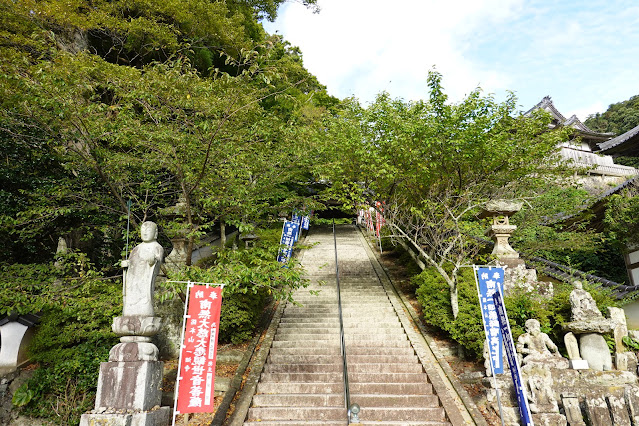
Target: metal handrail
x=347 y=395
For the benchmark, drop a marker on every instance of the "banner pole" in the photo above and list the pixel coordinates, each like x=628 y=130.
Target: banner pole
x=177 y=378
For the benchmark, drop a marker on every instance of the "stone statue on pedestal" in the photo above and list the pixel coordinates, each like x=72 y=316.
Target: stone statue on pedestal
x=129 y=384
x=589 y=325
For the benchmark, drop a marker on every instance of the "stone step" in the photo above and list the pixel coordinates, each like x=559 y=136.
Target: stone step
x=352 y=359
x=355 y=388
x=337 y=377
x=304 y=368
x=337 y=367
x=342 y=423
x=302 y=377
x=336 y=350
x=338 y=413
x=296 y=413
x=386 y=323
x=351 y=341
x=297 y=423
x=356 y=377
x=403 y=414
x=377 y=400
x=300 y=388
x=296 y=400
x=335 y=399
x=364 y=336
x=359 y=315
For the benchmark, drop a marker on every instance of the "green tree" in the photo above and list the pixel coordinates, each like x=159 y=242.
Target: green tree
x=618 y=118
x=436 y=164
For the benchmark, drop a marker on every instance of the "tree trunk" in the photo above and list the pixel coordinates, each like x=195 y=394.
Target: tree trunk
x=454 y=302
x=222 y=233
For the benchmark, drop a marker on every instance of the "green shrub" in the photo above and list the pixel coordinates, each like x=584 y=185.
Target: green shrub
x=73 y=337
x=434 y=296
x=240 y=315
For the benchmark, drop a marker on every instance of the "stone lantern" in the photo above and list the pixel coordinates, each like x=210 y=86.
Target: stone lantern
x=501 y=229
x=177 y=258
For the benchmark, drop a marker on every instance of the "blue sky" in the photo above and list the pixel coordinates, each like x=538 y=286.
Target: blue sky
x=584 y=54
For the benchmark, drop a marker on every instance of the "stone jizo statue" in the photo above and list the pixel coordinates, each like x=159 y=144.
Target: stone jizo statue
x=535 y=345
x=584 y=307
x=140 y=271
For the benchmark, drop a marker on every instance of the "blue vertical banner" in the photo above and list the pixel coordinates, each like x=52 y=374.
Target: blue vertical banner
x=297 y=218
x=306 y=222
x=289 y=236
x=511 y=355
x=490 y=281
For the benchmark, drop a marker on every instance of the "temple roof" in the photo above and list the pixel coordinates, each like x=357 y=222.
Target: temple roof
x=560 y=120
x=626 y=144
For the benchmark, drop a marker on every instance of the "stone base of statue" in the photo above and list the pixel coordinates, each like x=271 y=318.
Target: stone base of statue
x=158 y=416
x=129 y=394
x=129 y=391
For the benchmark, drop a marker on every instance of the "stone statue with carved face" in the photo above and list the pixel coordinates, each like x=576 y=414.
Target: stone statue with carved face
x=140 y=271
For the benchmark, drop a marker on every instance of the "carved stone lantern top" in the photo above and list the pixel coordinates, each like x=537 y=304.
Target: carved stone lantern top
x=501 y=208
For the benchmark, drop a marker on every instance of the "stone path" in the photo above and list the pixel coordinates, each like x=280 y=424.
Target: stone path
x=302 y=380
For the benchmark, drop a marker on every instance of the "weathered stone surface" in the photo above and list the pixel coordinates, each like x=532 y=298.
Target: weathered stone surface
x=620 y=327
x=133 y=352
x=631 y=394
x=572 y=409
x=156 y=417
x=618 y=410
x=129 y=385
x=597 y=411
x=141 y=269
x=601 y=326
x=594 y=349
x=135 y=325
x=584 y=307
x=502 y=207
x=534 y=345
x=626 y=361
x=572 y=346
x=549 y=419
x=540 y=390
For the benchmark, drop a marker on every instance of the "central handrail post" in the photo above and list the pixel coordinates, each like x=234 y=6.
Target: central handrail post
x=347 y=396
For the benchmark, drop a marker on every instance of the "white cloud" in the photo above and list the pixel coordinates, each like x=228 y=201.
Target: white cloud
x=583 y=54
x=363 y=47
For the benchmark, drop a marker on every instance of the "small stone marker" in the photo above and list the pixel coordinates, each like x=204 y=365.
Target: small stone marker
x=597 y=411
x=631 y=395
x=618 y=410
x=572 y=410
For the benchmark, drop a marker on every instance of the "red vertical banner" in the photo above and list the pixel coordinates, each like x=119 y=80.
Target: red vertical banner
x=379 y=218
x=196 y=377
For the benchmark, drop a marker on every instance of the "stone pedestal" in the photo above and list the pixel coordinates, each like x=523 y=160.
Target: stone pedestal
x=159 y=416
x=133 y=385
x=15 y=338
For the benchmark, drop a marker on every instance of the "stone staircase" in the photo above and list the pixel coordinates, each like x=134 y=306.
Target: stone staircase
x=302 y=381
